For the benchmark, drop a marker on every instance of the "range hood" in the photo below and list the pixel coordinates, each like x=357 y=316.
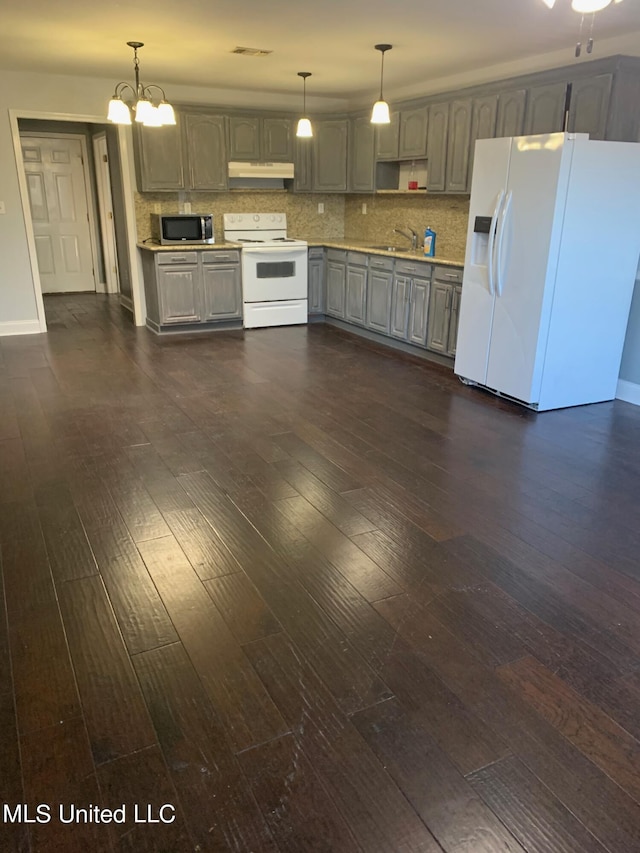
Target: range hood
x=279 y=171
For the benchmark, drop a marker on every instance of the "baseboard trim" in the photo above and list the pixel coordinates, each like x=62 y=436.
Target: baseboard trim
x=628 y=391
x=20 y=327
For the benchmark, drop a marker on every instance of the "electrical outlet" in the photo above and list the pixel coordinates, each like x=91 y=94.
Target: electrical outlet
x=320 y=207
x=187 y=207
x=157 y=207
x=364 y=206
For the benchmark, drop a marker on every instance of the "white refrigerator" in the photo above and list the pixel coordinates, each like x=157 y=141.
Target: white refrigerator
x=552 y=252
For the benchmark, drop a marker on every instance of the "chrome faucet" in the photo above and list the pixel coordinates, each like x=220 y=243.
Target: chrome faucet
x=413 y=237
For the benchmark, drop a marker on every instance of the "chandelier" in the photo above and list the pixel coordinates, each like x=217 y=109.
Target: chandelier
x=585 y=7
x=147 y=112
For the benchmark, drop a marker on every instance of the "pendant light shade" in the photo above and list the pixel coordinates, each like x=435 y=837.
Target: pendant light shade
x=304 y=129
x=139 y=98
x=380 y=111
x=585 y=7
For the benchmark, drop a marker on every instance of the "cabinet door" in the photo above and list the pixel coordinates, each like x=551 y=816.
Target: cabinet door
x=316 y=286
x=221 y=292
x=419 y=313
x=336 y=285
x=379 y=288
x=590 y=106
x=244 y=138
x=439 y=314
x=483 y=125
x=458 y=145
x=510 y=119
x=302 y=169
x=160 y=157
x=355 y=304
x=277 y=140
x=453 y=321
x=179 y=292
x=387 y=138
x=206 y=151
x=437 y=146
x=413 y=133
x=545 y=109
x=330 y=156
x=361 y=148
x=400 y=295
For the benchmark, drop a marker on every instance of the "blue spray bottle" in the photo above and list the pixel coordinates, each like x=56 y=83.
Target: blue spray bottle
x=429 y=242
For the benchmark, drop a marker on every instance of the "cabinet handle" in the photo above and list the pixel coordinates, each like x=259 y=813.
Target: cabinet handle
x=452 y=275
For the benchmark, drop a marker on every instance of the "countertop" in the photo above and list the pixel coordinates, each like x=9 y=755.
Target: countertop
x=348 y=245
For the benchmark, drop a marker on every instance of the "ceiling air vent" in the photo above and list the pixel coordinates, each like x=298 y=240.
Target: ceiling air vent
x=251 y=51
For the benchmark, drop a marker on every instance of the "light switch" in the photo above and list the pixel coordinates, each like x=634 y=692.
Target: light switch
x=2 y=207
x=187 y=207
x=364 y=206
x=320 y=207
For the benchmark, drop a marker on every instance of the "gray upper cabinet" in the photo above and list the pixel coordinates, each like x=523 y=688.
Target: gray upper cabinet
x=545 y=109
x=458 y=145
x=511 y=109
x=206 y=151
x=590 y=106
x=302 y=168
x=387 y=138
x=330 y=155
x=483 y=125
x=277 y=140
x=413 y=133
x=244 y=138
x=437 y=147
x=361 y=151
x=159 y=156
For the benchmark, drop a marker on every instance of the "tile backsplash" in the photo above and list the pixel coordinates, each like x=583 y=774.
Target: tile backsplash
x=342 y=217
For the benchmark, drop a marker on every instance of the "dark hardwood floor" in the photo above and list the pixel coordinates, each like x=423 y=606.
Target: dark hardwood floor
x=310 y=596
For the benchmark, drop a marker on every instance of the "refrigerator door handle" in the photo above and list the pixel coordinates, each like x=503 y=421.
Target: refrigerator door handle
x=492 y=235
x=506 y=210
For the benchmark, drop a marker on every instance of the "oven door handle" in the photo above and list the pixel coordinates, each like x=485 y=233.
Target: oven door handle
x=272 y=250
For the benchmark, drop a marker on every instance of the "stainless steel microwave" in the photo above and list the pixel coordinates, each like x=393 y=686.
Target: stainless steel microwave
x=170 y=230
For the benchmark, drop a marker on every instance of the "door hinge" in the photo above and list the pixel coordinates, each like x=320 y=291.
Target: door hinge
x=110 y=215
x=105 y=159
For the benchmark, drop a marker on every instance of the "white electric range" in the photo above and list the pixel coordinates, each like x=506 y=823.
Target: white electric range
x=274 y=269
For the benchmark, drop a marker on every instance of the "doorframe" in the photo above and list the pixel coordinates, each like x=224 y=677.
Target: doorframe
x=105 y=206
x=88 y=189
x=125 y=144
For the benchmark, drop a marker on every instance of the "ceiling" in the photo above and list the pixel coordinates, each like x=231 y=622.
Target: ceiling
x=189 y=42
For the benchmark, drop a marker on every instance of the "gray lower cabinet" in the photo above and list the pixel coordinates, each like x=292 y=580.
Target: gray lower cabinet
x=361 y=155
x=221 y=286
x=356 y=288
x=511 y=110
x=410 y=302
x=336 y=282
x=330 y=155
x=206 y=147
x=316 y=281
x=459 y=134
x=545 y=109
x=437 y=147
x=379 y=292
x=189 y=287
x=443 y=310
x=159 y=157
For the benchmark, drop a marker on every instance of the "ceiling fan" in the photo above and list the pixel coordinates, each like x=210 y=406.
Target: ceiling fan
x=585 y=7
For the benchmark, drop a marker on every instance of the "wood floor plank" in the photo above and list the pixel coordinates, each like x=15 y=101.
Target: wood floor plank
x=217 y=803
x=445 y=801
x=530 y=811
x=247 y=712
x=242 y=608
x=116 y=717
x=205 y=550
x=69 y=552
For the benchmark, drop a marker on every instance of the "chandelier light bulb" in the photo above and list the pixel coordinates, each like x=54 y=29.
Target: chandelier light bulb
x=149 y=111
x=119 y=112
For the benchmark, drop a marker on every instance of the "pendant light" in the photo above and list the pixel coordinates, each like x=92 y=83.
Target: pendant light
x=147 y=113
x=380 y=111
x=585 y=7
x=304 y=128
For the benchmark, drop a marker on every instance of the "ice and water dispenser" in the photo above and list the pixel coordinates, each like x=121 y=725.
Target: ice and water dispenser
x=480 y=241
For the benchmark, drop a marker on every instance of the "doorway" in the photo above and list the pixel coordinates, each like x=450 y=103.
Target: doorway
x=105 y=209
x=59 y=190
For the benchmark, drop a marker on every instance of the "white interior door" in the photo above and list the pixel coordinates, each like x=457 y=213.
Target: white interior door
x=105 y=206
x=58 y=199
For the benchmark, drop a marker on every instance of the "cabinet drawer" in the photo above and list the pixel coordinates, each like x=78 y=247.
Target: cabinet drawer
x=379 y=262
x=450 y=274
x=316 y=253
x=357 y=259
x=221 y=257
x=339 y=255
x=418 y=268
x=177 y=258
